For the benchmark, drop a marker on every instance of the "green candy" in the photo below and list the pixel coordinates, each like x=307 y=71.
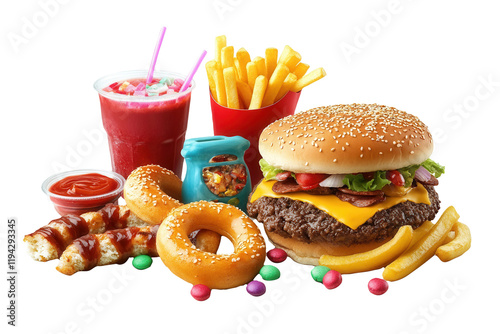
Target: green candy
x=269 y=273
x=234 y=201
x=319 y=272
x=142 y=262
x=166 y=80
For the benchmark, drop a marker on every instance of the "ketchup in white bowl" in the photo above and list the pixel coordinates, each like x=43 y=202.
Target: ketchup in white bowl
x=80 y=191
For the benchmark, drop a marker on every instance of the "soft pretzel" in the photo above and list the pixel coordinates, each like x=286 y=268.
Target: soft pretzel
x=206 y=240
x=49 y=242
x=151 y=192
x=217 y=271
x=111 y=247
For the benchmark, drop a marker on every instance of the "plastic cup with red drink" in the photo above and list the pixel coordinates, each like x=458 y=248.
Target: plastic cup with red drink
x=145 y=123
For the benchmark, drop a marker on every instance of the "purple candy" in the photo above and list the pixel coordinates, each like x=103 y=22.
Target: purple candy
x=256 y=288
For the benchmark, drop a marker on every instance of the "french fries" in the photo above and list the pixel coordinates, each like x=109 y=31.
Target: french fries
x=271 y=60
x=308 y=79
x=252 y=73
x=233 y=100
x=220 y=42
x=287 y=85
x=245 y=93
x=456 y=247
x=371 y=260
x=274 y=84
x=300 y=70
x=211 y=66
x=280 y=75
x=261 y=65
x=220 y=86
x=420 y=232
x=258 y=92
x=243 y=59
x=424 y=249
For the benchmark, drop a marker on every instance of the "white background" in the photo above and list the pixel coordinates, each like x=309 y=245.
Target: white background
x=436 y=59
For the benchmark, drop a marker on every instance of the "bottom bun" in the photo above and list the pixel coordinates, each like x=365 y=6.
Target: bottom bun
x=305 y=253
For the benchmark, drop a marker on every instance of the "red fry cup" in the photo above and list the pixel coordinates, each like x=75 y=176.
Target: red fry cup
x=249 y=125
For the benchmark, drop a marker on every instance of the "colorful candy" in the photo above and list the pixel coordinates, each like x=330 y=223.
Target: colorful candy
x=256 y=288
x=319 y=272
x=129 y=89
x=378 y=286
x=276 y=255
x=142 y=262
x=200 y=292
x=123 y=86
x=332 y=279
x=269 y=273
x=138 y=87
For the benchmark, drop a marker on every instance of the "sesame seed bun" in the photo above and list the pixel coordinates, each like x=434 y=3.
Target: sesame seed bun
x=342 y=139
x=309 y=253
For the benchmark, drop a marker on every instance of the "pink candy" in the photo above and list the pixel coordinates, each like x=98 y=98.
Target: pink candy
x=141 y=86
x=276 y=255
x=378 y=286
x=332 y=279
x=200 y=292
x=130 y=89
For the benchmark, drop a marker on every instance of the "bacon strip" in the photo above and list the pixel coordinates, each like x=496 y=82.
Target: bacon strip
x=359 y=200
x=361 y=193
x=433 y=181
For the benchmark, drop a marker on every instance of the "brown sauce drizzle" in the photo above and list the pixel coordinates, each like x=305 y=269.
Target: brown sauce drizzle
x=111 y=216
x=151 y=241
x=122 y=240
x=88 y=247
x=76 y=225
x=53 y=237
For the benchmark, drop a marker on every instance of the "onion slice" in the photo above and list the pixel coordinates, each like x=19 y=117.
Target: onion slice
x=422 y=174
x=333 y=181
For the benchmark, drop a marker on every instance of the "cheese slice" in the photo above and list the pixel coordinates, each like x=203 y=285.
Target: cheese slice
x=344 y=212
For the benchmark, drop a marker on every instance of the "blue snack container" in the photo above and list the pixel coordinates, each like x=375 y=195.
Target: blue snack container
x=198 y=153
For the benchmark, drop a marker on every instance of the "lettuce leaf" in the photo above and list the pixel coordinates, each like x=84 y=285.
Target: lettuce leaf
x=409 y=174
x=269 y=171
x=357 y=182
x=433 y=167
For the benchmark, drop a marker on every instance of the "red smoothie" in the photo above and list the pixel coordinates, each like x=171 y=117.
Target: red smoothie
x=144 y=129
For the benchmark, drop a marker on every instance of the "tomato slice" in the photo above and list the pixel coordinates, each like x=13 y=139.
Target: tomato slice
x=309 y=181
x=396 y=178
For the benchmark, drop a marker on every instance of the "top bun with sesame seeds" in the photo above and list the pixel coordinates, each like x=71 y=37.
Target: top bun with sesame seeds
x=342 y=139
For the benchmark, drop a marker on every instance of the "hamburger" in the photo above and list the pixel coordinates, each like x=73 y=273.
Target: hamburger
x=343 y=179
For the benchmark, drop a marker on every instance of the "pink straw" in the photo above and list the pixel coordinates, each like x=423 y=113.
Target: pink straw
x=186 y=83
x=155 y=56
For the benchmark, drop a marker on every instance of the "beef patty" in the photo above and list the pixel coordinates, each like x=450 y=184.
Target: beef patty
x=304 y=222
